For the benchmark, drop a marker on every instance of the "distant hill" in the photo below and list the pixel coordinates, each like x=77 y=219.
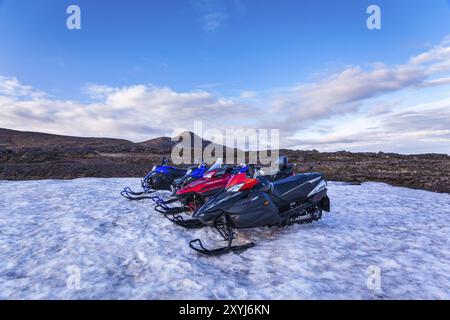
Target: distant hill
x=162 y=142
x=166 y=143
x=23 y=139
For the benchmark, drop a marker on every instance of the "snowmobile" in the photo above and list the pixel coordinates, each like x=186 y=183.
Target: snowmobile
x=191 y=175
x=193 y=195
x=159 y=178
x=250 y=202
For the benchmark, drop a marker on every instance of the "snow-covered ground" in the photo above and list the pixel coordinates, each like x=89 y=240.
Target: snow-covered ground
x=81 y=239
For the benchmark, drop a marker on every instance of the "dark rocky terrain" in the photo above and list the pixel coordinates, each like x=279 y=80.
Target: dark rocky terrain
x=29 y=155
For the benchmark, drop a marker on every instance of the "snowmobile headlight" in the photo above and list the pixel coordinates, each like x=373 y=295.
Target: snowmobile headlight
x=189 y=171
x=208 y=175
x=154 y=168
x=235 y=188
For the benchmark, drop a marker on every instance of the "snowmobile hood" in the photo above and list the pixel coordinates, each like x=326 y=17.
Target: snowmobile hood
x=198 y=172
x=241 y=182
x=219 y=203
x=195 y=183
x=149 y=175
x=168 y=170
x=205 y=184
x=161 y=169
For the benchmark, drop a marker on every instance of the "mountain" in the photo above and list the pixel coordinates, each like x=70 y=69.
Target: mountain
x=13 y=139
x=159 y=143
x=166 y=143
x=23 y=139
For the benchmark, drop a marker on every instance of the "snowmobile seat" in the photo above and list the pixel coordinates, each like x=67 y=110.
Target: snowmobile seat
x=265 y=185
x=295 y=187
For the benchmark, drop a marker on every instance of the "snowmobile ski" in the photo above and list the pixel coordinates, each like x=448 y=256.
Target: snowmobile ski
x=131 y=195
x=219 y=251
x=224 y=228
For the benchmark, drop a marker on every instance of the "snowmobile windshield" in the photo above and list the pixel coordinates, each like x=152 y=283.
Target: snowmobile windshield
x=268 y=171
x=275 y=168
x=217 y=165
x=201 y=165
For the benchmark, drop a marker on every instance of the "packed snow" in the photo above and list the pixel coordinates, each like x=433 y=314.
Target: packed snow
x=80 y=239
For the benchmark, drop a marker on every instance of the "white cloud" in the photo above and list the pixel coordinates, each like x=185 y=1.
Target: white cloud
x=213 y=21
x=248 y=94
x=135 y=112
x=438 y=53
x=338 y=92
x=436 y=82
x=346 y=91
x=96 y=91
x=215 y=14
x=412 y=129
x=10 y=86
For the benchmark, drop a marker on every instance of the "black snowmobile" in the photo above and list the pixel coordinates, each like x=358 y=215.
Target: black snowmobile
x=249 y=202
x=160 y=177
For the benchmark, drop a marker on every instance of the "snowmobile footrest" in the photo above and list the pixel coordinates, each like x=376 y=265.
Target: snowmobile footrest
x=162 y=202
x=219 y=251
x=162 y=206
x=169 y=211
x=188 y=224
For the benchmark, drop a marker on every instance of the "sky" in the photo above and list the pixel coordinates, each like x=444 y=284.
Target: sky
x=312 y=69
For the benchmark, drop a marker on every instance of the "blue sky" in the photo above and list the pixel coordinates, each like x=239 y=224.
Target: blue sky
x=222 y=58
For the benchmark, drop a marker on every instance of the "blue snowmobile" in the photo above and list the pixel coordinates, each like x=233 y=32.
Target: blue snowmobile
x=160 y=177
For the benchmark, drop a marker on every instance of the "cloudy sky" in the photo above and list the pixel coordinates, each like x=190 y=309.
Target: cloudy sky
x=142 y=69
